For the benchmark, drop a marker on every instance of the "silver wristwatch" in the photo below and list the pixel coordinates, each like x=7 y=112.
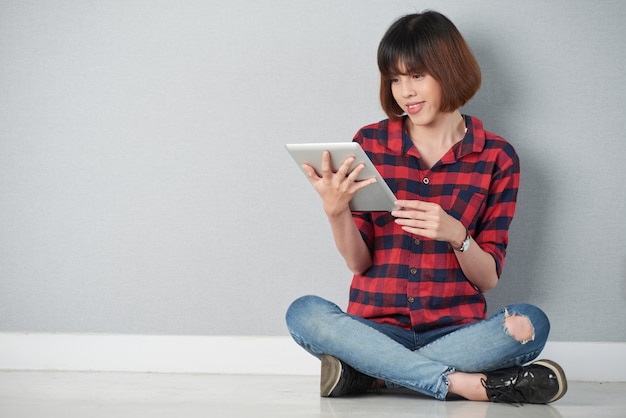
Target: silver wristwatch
x=466 y=243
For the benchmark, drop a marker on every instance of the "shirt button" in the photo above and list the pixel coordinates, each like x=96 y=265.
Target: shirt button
x=425 y=180
x=413 y=270
x=417 y=241
x=411 y=299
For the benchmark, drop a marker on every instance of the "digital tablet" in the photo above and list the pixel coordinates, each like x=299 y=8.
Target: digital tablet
x=376 y=197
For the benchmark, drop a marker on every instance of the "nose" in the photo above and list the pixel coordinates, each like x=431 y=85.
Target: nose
x=406 y=87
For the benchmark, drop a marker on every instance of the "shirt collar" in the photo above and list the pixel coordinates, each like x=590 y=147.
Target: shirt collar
x=474 y=140
x=399 y=142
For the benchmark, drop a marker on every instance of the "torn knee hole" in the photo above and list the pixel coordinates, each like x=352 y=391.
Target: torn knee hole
x=519 y=327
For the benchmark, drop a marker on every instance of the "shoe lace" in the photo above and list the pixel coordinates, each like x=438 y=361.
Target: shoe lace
x=507 y=393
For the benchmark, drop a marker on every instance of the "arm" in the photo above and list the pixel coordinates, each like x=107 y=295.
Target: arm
x=429 y=220
x=478 y=265
x=336 y=190
x=350 y=243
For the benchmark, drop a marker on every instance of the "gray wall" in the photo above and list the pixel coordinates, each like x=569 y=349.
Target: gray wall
x=144 y=187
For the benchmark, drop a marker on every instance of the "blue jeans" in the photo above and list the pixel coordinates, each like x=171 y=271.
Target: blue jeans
x=416 y=360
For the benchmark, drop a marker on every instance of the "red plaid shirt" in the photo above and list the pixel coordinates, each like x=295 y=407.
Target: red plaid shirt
x=415 y=282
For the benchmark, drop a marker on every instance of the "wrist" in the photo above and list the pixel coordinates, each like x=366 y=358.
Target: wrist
x=336 y=213
x=462 y=244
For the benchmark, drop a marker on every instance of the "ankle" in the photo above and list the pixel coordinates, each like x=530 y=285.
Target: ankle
x=468 y=385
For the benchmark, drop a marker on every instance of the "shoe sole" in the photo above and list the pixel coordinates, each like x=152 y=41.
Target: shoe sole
x=560 y=377
x=330 y=375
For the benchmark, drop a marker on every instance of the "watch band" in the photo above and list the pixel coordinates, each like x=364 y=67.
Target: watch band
x=466 y=243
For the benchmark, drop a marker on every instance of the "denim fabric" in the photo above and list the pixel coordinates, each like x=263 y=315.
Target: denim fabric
x=418 y=361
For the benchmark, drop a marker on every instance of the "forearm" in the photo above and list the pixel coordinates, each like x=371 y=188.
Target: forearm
x=349 y=242
x=478 y=266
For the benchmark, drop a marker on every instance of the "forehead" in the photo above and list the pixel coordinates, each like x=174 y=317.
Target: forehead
x=404 y=66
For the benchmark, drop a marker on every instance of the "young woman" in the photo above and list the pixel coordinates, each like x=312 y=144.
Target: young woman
x=417 y=315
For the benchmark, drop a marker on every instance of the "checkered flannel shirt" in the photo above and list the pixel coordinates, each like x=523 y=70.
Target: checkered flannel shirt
x=415 y=282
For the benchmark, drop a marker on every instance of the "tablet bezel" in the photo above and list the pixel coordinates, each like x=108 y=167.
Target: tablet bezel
x=376 y=197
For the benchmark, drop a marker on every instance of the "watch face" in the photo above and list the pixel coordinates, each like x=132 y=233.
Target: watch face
x=466 y=244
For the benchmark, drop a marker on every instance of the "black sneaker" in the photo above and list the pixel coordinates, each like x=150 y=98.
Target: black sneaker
x=540 y=382
x=338 y=379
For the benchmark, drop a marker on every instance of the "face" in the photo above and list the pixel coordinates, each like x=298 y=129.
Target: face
x=419 y=95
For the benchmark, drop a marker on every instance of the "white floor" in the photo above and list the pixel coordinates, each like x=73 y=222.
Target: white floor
x=95 y=395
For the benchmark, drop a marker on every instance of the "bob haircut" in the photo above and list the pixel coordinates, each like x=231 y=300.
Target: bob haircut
x=427 y=43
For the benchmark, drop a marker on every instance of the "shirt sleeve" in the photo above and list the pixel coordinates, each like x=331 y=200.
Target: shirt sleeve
x=492 y=234
x=364 y=223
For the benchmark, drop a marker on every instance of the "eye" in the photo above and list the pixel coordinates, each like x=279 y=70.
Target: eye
x=418 y=76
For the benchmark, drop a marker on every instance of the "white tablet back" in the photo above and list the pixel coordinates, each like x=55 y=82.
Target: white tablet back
x=373 y=198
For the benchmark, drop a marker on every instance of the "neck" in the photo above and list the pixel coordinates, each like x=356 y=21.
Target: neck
x=445 y=131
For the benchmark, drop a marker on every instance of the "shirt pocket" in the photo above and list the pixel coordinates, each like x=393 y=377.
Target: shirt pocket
x=467 y=204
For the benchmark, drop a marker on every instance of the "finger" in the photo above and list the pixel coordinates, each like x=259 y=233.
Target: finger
x=410 y=204
x=410 y=225
x=415 y=231
x=354 y=174
x=408 y=209
x=412 y=215
x=358 y=185
x=417 y=220
x=344 y=168
x=415 y=226
x=310 y=172
x=326 y=164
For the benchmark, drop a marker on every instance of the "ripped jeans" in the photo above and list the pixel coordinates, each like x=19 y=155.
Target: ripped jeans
x=416 y=360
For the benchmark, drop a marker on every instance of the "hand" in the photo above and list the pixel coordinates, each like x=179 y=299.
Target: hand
x=429 y=220
x=337 y=188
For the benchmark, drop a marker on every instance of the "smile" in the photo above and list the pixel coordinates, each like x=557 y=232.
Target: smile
x=413 y=108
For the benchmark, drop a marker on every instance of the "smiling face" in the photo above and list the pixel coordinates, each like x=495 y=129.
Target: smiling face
x=428 y=45
x=418 y=95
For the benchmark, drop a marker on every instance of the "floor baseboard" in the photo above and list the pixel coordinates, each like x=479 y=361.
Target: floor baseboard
x=582 y=361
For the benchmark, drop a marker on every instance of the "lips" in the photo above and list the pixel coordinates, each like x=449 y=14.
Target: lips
x=413 y=108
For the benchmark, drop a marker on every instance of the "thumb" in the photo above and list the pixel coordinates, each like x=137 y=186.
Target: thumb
x=310 y=172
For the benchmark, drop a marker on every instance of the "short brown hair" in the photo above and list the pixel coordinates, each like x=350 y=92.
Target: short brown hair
x=427 y=43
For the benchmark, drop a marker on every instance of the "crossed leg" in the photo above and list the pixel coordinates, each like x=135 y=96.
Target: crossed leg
x=469 y=385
